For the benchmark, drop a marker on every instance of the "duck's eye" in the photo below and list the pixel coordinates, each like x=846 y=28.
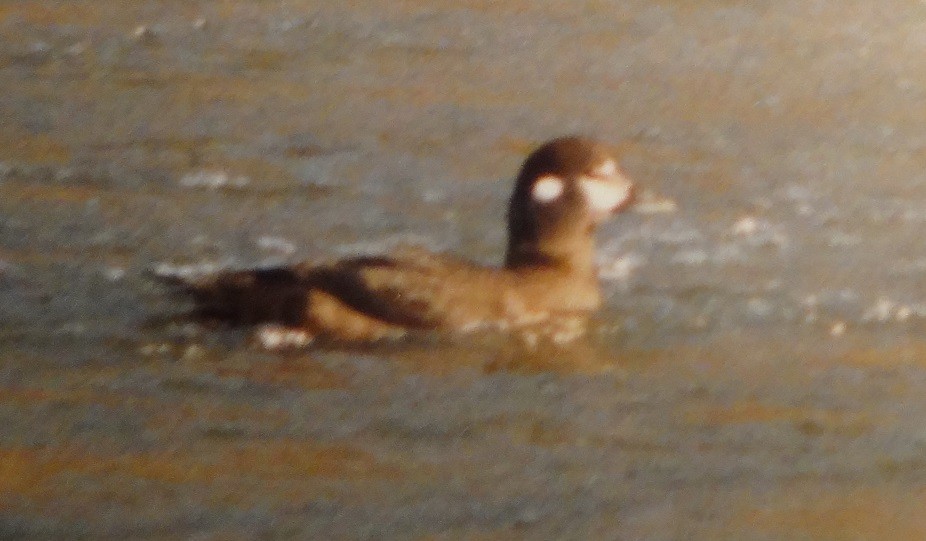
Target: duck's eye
x=605 y=169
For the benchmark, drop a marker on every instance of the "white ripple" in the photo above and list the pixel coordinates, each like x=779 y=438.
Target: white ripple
x=213 y=180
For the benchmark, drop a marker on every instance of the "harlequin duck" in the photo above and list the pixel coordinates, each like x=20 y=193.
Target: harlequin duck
x=565 y=188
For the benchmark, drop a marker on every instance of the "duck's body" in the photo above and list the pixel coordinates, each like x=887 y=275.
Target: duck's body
x=549 y=269
x=368 y=298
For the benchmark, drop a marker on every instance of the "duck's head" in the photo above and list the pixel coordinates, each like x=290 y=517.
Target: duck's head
x=564 y=190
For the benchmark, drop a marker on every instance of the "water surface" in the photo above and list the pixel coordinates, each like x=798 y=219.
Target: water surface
x=758 y=370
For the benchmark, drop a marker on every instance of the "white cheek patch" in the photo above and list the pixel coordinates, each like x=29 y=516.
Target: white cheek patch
x=606 y=195
x=547 y=188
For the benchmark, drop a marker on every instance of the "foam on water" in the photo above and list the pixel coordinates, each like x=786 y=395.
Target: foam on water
x=213 y=180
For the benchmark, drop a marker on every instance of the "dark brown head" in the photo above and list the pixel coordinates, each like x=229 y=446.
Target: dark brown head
x=564 y=190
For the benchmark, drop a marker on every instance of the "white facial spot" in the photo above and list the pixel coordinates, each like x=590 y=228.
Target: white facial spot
x=606 y=195
x=547 y=188
x=607 y=168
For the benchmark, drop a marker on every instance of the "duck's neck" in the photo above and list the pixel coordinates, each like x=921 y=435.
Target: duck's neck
x=573 y=255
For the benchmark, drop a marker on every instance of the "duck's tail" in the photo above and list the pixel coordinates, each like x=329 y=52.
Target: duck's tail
x=238 y=297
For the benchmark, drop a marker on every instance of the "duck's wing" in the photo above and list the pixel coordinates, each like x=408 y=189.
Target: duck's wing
x=413 y=289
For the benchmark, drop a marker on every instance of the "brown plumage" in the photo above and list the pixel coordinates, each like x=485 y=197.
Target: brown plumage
x=564 y=189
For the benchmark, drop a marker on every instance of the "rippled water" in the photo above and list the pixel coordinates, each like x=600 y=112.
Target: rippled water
x=756 y=373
